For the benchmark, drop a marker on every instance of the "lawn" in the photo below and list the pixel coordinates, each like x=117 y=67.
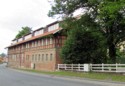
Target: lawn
x=90 y=75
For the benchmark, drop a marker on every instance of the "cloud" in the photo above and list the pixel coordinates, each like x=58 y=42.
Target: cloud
x=19 y=13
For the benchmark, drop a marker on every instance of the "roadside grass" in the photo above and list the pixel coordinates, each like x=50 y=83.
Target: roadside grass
x=90 y=75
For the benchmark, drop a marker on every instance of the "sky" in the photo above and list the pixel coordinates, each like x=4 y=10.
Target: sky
x=15 y=14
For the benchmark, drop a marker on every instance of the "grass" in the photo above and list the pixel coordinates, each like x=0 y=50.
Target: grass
x=90 y=75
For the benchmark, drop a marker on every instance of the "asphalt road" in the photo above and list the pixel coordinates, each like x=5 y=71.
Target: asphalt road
x=10 y=77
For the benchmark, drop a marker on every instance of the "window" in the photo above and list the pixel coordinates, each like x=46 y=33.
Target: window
x=42 y=57
x=46 y=57
x=53 y=27
x=42 y=41
x=32 y=44
x=28 y=46
x=46 y=41
x=28 y=36
x=37 y=33
x=32 y=57
x=36 y=57
x=22 y=46
x=22 y=57
x=19 y=48
x=41 y=31
x=15 y=57
x=51 y=57
x=39 y=58
x=36 y=43
x=51 y=40
x=57 y=26
x=28 y=57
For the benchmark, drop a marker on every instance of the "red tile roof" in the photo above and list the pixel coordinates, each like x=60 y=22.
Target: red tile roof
x=36 y=37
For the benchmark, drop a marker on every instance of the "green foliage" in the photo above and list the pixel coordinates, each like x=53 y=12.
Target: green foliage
x=85 y=43
x=24 y=31
x=120 y=56
x=67 y=7
x=83 y=47
x=112 y=20
x=3 y=55
x=108 y=14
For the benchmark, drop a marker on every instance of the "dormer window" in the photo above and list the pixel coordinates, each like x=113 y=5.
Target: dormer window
x=53 y=27
x=28 y=36
x=39 y=32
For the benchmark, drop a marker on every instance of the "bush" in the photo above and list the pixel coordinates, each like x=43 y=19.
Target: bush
x=84 y=47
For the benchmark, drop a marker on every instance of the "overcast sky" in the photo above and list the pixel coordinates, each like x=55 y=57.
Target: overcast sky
x=15 y=14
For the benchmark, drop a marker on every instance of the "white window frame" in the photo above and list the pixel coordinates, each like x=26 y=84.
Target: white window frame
x=46 y=41
x=51 y=40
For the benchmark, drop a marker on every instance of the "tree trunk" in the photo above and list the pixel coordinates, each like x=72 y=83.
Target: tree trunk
x=111 y=45
x=112 y=53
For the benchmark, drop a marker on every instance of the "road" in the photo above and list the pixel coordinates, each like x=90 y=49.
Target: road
x=10 y=77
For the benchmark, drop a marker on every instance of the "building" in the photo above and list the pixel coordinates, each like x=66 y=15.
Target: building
x=37 y=50
x=5 y=59
x=1 y=60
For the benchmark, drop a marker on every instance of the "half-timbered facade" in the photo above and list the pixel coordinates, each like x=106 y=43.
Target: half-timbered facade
x=37 y=50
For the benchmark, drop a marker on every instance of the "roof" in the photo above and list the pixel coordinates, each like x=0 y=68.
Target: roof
x=52 y=23
x=36 y=37
x=38 y=29
x=22 y=36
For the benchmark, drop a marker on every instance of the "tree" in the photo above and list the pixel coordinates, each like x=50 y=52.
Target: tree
x=67 y=7
x=3 y=55
x=24 y=31
x=112 y=22
x=108 y=14
x=85 y=43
